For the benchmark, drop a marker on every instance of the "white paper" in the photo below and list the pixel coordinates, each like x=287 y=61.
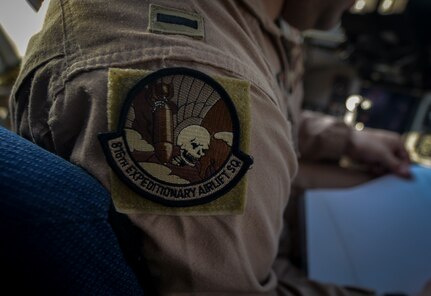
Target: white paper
x=377 y=235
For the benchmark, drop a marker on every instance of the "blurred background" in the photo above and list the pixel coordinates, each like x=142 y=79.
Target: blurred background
x=19 y=20
x=374 y=70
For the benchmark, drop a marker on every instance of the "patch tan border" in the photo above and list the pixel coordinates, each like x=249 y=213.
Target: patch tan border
x=126 y=200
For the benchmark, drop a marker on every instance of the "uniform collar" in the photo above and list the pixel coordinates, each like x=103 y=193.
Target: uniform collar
x=257 y=9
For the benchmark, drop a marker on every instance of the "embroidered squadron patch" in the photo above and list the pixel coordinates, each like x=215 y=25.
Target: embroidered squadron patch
x=177 y=141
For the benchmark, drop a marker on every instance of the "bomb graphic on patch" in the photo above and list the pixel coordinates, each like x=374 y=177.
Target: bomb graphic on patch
x=179 y=133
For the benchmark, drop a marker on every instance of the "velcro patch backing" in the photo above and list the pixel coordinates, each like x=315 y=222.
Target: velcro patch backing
x=176 y=145
x=172 y=21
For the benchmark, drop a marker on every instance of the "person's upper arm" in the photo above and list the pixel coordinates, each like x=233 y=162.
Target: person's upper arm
x=322 y=137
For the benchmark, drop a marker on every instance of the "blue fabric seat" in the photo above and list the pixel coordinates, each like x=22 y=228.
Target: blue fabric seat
x=56 y=238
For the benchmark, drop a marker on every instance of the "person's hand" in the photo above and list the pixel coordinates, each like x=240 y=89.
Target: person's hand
x=382 y=151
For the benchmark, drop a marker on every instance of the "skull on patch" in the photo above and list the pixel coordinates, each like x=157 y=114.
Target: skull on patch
x=194 y=141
